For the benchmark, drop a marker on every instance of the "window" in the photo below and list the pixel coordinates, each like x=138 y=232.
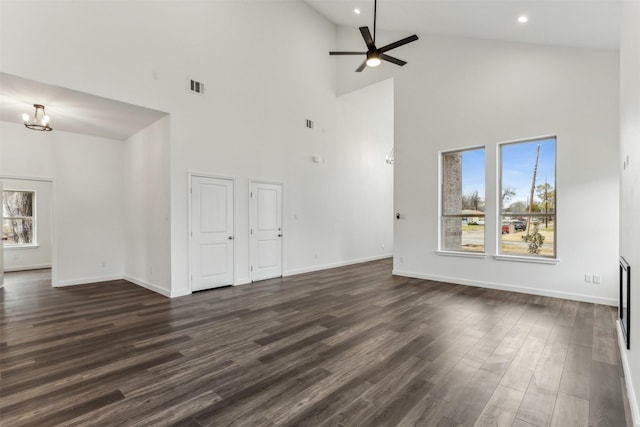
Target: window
x=18 y=220
x=462 y=202
x=528 y=198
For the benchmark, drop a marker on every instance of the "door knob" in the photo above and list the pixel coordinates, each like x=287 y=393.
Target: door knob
x=230 y=237
x=279 y=235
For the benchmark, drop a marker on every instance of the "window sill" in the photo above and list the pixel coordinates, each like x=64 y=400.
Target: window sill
x=462 y=254
x=534 y=260
x=17 y=247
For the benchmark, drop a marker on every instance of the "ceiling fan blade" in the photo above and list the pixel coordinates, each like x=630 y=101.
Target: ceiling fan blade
x=366 y=35
x=347 y=53
x=361 y=67
x=398 y=43
x=396 y=61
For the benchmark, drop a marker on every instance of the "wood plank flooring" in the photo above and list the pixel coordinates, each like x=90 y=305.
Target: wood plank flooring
x=351 y=346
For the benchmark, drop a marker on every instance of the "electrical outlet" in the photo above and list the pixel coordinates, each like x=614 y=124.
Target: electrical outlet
x=596 y=279
x=588 y=278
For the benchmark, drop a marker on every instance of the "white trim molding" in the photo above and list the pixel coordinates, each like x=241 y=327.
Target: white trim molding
x=27 y=267
x=150 y=286
x=506 y=287
x=631 y=396
x=334 y=265
x=531 y=259
x=479 y=255
x=87 y=281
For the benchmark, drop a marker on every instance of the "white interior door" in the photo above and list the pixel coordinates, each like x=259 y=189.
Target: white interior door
x=212 y=244
x=266 y=230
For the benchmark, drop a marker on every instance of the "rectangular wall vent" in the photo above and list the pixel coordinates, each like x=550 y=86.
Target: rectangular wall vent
x=309 y=124
x=196 y=87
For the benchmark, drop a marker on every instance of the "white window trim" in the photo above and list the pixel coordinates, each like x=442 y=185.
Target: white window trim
x=461 y=254
x=524 y=258
x=25 y=246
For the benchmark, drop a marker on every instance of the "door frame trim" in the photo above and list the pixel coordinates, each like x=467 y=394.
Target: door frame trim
x=190 y=176
x=281 y=184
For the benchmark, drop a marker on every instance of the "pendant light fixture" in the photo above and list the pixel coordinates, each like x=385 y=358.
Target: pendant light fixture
x=39 y=121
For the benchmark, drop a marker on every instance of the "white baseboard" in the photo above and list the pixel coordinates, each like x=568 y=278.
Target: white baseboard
x=180 y=293
x=86 y=280
x=26 y=267
x=505 y=287
x=334 y=265
x=147 y=285
x=244 y=281
x=631 y=395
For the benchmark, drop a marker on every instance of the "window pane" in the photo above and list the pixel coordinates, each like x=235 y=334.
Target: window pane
x=536 y=240
x=17 y=231
x=524 y=169
x=458 y=234
x=463 y=176
x=17 y=203
x=527 y=213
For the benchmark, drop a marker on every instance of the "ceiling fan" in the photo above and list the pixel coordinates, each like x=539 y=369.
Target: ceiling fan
x=374 y=54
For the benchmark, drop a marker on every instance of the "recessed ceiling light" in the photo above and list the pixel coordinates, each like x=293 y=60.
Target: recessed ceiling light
x=523 y=19
x=356 y=11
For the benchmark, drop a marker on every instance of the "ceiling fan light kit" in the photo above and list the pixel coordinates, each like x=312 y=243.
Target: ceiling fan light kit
x=373 y=59
x=376 y=55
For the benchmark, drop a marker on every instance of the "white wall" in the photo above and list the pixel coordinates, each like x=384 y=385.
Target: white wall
x=147 y=251
x=630 y=187
x=87 y=197
x=261 y=85
x=344 y=209
x=38 y=256
x=457 y=93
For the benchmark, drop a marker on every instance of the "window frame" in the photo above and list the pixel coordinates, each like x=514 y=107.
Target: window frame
x=536 y=258
x=442 y=216
x=34 y=208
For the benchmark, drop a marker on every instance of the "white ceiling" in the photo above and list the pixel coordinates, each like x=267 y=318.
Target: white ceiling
x=72 y=111
x=575 y=23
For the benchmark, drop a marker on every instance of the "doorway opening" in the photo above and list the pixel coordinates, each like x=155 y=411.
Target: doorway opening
x=27 y=226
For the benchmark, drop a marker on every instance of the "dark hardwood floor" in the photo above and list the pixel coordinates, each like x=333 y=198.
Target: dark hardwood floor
x=349 y=346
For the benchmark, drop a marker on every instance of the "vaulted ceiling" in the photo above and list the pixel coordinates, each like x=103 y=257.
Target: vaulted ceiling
x=575 y=23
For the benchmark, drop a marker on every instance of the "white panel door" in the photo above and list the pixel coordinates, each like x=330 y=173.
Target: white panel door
x=212 y=240
x=266 y=230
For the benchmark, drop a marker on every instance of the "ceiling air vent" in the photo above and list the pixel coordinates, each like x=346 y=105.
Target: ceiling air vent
x=196 y=87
